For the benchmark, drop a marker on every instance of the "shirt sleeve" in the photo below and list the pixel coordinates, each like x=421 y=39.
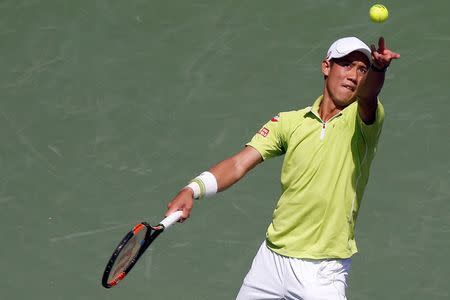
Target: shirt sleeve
x=269 y=140
x=372 y=132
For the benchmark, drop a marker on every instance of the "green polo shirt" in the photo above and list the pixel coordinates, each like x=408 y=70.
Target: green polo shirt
x=325 y=170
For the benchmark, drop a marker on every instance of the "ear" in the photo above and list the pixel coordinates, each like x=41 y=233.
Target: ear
x=326 y=65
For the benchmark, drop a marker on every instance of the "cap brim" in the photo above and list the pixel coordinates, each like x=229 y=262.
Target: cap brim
x=364 y=51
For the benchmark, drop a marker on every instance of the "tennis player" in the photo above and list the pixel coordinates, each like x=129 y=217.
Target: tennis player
x=328 y=150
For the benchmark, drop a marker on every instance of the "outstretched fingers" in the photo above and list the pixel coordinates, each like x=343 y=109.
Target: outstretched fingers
x=382 y=56
x=381 y=44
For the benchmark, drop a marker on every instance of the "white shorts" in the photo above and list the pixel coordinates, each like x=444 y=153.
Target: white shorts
x=274 y=277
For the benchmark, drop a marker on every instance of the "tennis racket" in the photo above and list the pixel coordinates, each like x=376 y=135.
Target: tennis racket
x=131 y=248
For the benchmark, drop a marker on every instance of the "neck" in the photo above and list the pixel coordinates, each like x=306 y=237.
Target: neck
x=328 y=108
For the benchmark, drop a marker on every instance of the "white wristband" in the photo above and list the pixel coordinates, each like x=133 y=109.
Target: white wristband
x=204 y=185
x=195 y=188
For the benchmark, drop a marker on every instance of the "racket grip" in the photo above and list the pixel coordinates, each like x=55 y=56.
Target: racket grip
x=168 y=221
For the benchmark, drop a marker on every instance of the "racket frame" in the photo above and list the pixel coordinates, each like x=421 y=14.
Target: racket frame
x=152 y=233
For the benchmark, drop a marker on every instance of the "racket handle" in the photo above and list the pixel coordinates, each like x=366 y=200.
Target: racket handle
x=168 y=221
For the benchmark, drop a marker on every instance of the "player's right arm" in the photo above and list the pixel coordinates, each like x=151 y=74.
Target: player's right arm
x=227 y=173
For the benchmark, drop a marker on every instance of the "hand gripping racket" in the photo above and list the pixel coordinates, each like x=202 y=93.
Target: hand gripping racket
x=132 y=246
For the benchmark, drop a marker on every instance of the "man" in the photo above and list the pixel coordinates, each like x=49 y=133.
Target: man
x=328 y=150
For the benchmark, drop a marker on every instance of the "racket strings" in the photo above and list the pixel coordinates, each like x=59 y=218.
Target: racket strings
x=127 y=254
x=129 y=250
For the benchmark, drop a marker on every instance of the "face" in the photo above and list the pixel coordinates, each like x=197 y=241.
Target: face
x=343 y=77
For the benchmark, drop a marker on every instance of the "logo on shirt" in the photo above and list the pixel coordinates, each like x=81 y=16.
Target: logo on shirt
x=264 y=131
x=276 y=118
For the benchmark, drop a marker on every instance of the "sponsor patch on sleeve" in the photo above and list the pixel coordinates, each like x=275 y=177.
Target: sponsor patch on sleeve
x=264 y=131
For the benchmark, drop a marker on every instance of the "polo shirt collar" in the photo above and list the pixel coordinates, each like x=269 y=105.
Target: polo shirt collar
x=316 y=105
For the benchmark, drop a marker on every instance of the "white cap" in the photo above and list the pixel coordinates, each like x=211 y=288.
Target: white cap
x=347 y=45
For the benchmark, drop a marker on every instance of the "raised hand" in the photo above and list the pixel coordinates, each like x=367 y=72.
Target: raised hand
x=382 y=57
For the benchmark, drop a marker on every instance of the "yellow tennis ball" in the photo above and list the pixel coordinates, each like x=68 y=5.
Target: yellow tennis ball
x=378 y=13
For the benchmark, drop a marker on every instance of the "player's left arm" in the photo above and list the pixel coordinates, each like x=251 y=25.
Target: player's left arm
x=369 y=90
